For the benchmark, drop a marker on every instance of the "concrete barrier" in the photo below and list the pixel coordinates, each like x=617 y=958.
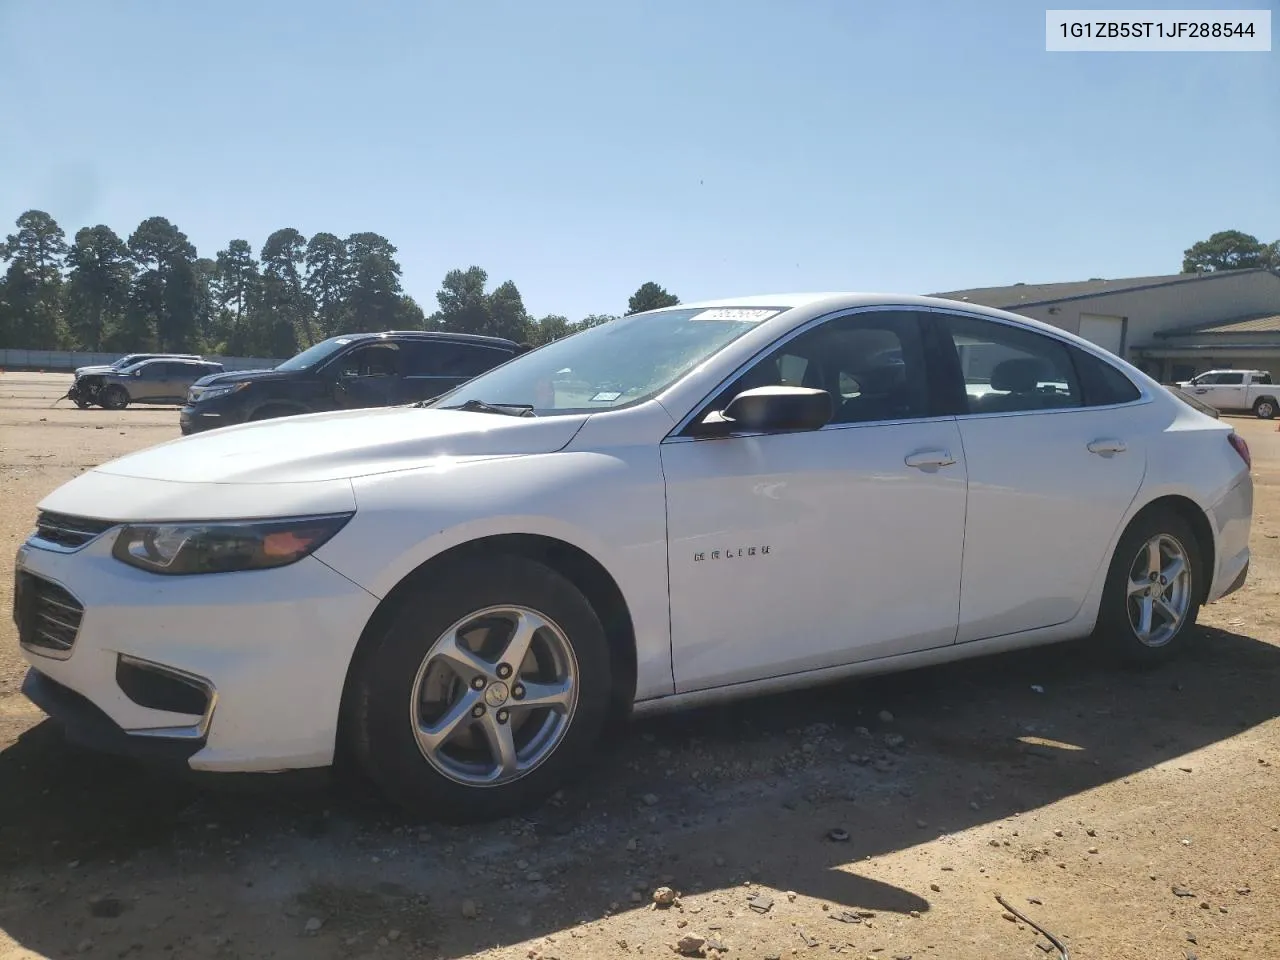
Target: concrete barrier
x=68 y=360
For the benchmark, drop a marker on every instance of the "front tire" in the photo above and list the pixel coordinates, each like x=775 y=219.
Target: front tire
x=1265 y=408
x=1153 y=590
x=115 y=397
x=487 y=692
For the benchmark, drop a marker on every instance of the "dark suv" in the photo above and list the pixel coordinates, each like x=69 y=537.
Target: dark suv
x=346 y=372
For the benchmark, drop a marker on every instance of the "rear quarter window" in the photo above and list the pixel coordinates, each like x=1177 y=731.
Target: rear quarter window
x=1102 y=384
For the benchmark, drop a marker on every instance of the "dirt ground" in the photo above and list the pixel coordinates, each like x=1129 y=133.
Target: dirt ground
x=1134 y=815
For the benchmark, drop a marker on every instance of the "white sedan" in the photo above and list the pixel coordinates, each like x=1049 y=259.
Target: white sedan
x=695 y=503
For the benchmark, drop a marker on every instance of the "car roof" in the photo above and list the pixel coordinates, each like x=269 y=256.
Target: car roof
x=799 y=307
x=440 y=335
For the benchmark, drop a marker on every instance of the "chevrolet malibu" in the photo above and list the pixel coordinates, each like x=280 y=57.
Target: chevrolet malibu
x=674 y=508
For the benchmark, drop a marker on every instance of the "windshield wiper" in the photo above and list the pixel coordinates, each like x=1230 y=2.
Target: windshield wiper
x=506 y=409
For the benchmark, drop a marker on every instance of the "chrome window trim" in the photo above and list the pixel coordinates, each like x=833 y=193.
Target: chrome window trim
x=1144 y=395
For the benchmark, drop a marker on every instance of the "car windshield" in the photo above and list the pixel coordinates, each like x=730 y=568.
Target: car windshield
x=612 y=365
x=126 y=361
x=314 y=354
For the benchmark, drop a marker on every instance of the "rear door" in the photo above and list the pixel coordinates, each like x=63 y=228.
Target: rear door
x=151 y=383
x=1054 y=441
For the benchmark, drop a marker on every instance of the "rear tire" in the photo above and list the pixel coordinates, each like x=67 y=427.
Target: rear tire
x=1143 y=620
x=1265 y=408
x=448 y=729
x=115 y=397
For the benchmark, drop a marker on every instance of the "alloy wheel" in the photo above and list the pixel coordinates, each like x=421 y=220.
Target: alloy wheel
x=494 y=696
x=1159 y=591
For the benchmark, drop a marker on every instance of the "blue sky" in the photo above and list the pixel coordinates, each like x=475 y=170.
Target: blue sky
x=581 y=147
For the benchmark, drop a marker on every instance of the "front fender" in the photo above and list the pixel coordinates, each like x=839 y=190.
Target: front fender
x=609 y=505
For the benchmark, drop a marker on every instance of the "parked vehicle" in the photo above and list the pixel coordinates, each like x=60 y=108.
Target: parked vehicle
x=164 y=380
x=81 y=393
x=344 y=373
x=1236 y=390
x=669 y=509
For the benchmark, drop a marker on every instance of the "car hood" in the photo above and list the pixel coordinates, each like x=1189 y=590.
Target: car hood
x=333 y=446
x=243 y=376
x=102 y=368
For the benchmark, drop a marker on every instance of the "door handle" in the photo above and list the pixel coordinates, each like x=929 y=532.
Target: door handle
x=1105 y=447
x=930 y=458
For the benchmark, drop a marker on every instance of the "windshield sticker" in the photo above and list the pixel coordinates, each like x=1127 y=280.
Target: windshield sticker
x=740 y=314
x=607 y=396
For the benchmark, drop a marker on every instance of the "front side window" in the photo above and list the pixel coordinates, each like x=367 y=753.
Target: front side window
x=872 y=364
x=1231 y=379
x=615 y=364
x=376 y=360
x=1007 y=369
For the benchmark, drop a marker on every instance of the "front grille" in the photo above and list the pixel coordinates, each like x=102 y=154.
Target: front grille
x=48 y=617
x=67 y=531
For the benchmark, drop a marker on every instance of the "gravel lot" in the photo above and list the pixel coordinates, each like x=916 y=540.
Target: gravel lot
x=1131 y=814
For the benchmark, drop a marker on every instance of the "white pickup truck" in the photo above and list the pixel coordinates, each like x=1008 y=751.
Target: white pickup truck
x=1235 y=390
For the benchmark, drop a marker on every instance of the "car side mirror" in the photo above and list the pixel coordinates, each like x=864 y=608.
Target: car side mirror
x=137 y=373
x=771 y=409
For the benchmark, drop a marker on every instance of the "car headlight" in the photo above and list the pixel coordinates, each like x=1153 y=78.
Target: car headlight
x=208 y=393
x=223 y=546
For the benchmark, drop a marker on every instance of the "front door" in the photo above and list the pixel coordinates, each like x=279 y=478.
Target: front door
x=368 y=376
x=1223 y=391
x=797 y=551
x=1053 y=440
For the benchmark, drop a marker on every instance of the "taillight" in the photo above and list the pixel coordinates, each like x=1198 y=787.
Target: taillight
x=1241 y=447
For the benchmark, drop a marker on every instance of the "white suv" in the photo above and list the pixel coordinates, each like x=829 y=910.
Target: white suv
x=693 y=503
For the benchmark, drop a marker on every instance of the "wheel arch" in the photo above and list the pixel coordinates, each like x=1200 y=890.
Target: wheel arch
x=1196 y=517
x=570 y=561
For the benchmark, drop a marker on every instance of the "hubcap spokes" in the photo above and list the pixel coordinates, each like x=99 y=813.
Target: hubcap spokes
x=1159 y=592
x=494 y=696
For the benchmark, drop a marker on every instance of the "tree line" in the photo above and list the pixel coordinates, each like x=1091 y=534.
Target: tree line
x=153 y=291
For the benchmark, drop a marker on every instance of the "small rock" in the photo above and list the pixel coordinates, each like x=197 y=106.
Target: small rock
x=1222 y=909
x=85 y=945
x=393 y=935
x=760 y=903
x=935 y=888
x=690 y=945
x=1009 y=916
x=1093 y=849
x=664 y=896
x=1182 y=892
x=1092 y=832
x=993 y=843
x=921 y=824
x=313 y=925
x=1036 y=688
x=533 y=876
x=838 y=834
x=894 y=740
x=791 y=896
x=884 y=716
x=650 y=799
x=633 y=845
x=1046 y=946
x=1057 y=833
x=1243 y=891
x=469 y=910
x=1204 y=904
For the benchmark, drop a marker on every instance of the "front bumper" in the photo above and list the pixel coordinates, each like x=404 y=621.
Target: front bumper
x=275 y=645
x=197 y=419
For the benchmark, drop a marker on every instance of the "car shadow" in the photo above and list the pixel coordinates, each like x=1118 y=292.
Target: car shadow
x=789 y=792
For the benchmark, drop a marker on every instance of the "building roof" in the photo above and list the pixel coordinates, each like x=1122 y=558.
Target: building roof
x=1266 y=323
x=1033 y=294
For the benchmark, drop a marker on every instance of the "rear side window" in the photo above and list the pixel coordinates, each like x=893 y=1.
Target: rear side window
x=1262 y=378
x=442 y=358
x=1101 y=383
